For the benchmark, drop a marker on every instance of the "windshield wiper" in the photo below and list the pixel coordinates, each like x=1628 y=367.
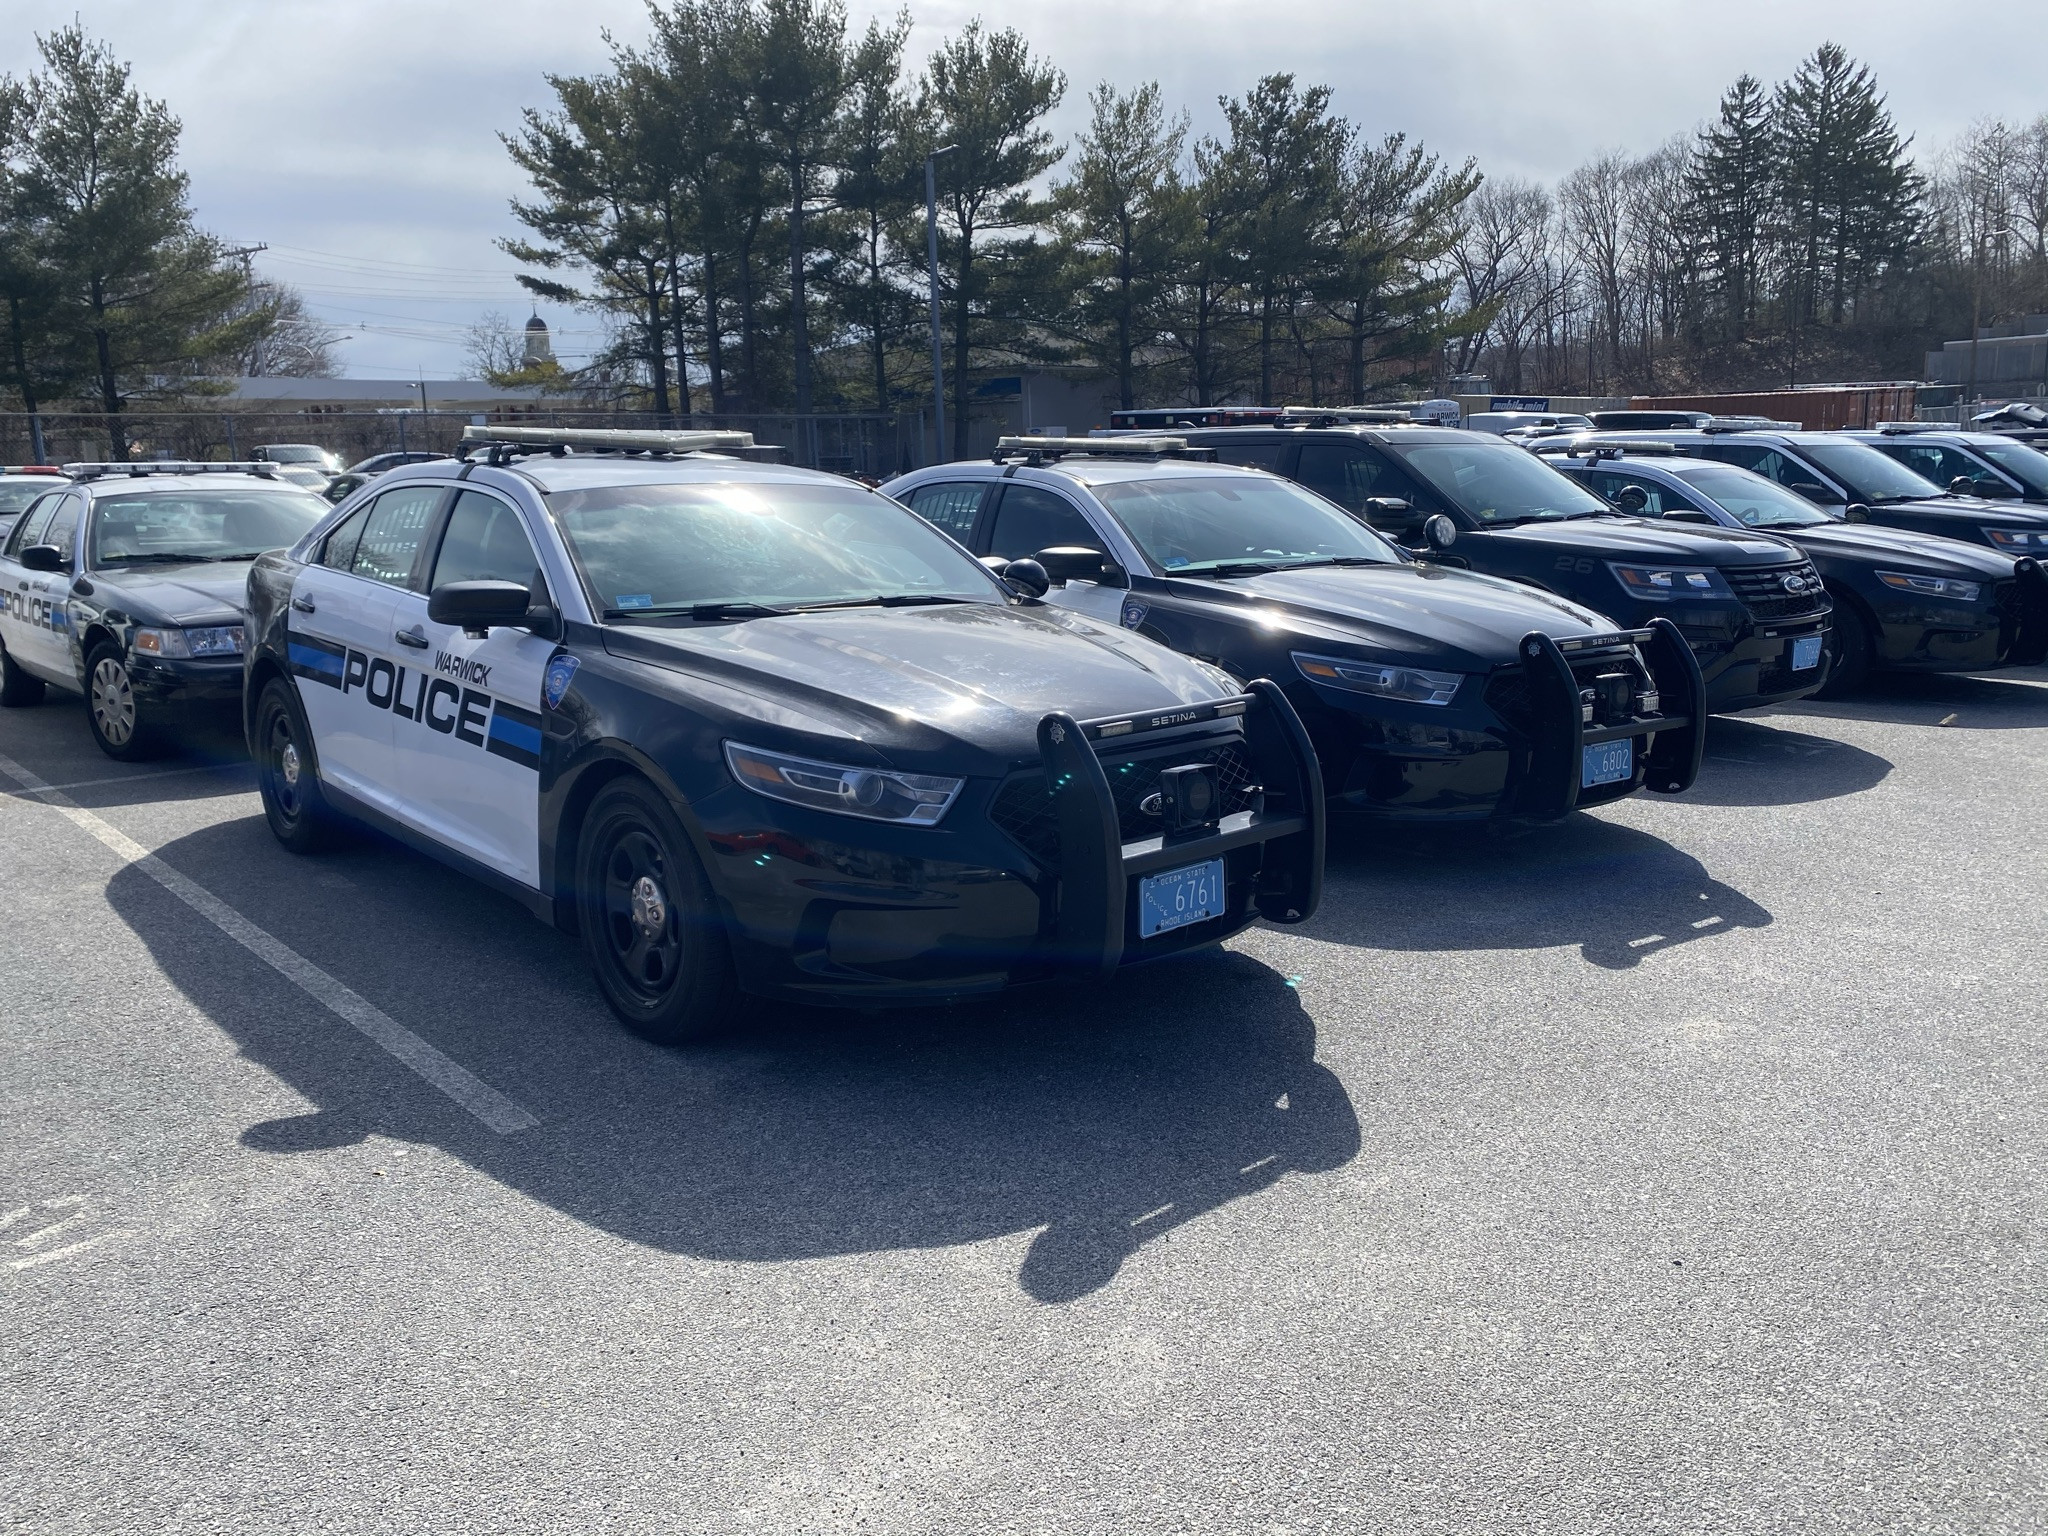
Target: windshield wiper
x=1227 y=568
x=705 y=613
x=157 y=557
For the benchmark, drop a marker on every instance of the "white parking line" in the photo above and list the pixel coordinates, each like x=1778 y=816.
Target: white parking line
x=68 y=1249
x=153 y=773
x=500 y=1113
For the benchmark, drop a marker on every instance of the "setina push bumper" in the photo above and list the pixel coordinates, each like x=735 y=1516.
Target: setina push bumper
x=1590 y=729
x=1240 y=832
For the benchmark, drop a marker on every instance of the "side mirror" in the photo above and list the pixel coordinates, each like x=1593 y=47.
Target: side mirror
x=43 y=557
x=1632 y=499
x=1440 y=531
x=477 y=606
x=1962 y=485
x=1812 y=490
x=1027 y=577
x=1070 y=562
x=1855 y=512
x=1389 y=514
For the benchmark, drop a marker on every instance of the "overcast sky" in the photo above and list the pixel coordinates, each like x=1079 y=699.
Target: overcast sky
x=357 y=138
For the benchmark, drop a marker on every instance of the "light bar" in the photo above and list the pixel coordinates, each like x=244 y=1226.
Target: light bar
x=1134 y=447
x=1386 y=413
x=141 y=467
x=1749 y=424
x=1610 y=448
x=1902 y=428
x=600 y=437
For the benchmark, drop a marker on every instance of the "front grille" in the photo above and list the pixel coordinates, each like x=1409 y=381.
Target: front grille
x=1762 y=590
x=1615 y=679
x=1024 y=810
x=2010 y=607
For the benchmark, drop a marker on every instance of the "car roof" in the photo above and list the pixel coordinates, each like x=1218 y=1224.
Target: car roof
x=137 y=485
x=587 y=471
x=1381 y=433
x=1107 y=471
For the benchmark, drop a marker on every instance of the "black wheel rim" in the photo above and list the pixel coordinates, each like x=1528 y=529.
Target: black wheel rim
x=642 y=930
x=284 y=766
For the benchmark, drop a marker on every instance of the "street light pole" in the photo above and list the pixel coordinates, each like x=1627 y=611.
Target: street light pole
x=931 y=251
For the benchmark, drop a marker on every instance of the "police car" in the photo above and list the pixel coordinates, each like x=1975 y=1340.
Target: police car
x=1904 y=601
x=125 y=587
x=751 y=728
x=1987 y=464
x=1432 y=695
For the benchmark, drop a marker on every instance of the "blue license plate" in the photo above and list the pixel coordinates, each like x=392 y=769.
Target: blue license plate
x=1805 y=652
x=1180 y=897
x=1607 y=762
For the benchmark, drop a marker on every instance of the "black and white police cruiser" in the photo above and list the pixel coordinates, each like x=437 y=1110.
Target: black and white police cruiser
x=752 y=728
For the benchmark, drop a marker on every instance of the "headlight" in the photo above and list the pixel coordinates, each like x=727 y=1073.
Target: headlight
x=1410 y=684
x=1932 y=586
x=875 y=793
x=216 y=640
x=1661 y=583
x=2019 y=541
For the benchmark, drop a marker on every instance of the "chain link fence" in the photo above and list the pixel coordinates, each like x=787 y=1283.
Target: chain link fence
x=874 y=444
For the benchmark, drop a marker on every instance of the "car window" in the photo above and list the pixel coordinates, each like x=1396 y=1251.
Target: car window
x=1494 y=482
x=1189 y=522
x=949 y=505
x=1937 y=463
x=143 y=527
x=391 y=537
x=485 y=541
x=18 y=491
x=663 y=548
x=1349 y=475
x=30 y=529
x=2027 y=465
x=62 y=529
x=1867 y=474
x=1755 y=501
x=338 y=550
x=1249 y=455
x=1610 y=483
x=1029 y=519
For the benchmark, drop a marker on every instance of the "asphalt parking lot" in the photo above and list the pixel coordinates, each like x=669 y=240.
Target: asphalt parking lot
x=1679 y=1168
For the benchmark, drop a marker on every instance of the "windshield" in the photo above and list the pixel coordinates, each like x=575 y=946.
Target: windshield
x=170 y=527
x=1498 y=483
x=2027 y=465
x=1195 y=523
x=658 y=548
x=1867 y=474
x=17 y=491
x=1760 y=503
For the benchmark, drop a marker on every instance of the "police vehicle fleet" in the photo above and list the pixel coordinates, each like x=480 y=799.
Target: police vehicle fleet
x=754 y=728
x=125 y=585
x=1431 y=694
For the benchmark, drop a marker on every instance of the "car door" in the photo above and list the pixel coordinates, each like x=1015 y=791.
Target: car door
x=54 y=635
x=467 y=742
x=342 y=642
x=1029 y=518
x=24 y=595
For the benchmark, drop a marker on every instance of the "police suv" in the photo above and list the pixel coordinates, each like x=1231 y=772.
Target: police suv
x=125 y=586
x=752 y=728
x=1987 y=464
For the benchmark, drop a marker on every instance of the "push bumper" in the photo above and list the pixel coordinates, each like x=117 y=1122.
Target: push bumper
x=2030 y=638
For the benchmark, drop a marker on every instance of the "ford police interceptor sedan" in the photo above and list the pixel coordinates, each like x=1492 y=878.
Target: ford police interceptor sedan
x=753 y=728
x=1432 y=695
x=126 y=587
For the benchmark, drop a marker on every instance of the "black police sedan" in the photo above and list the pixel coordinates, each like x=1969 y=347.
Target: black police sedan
x=1834 y=471
x=128 y=587
x=1752 y=607
x=749 y=728
x=1904 y=601
x=1431 y=694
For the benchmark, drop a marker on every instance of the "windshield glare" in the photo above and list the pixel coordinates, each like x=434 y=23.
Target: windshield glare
x=777 y=544
x=1198 y=522
x=1500 y=483
x=1867 y=474
x=2027 y=465
x=151 y=527
x=1758 y=502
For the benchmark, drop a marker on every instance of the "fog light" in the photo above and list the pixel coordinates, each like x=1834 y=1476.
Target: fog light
x=1190 y=798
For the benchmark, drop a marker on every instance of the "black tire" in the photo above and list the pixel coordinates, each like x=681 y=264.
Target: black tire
x=1849 y=652
x=650 y=924
x=120 y=723
x=298 y=813
x=18 y=689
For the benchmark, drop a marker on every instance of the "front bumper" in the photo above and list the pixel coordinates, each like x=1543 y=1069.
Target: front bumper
x=933 y=914
x=178 y=683
x=1756 y=668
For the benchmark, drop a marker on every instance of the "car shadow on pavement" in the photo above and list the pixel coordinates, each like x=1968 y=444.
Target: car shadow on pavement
x=1752 y=761
x=1105 y=1116
x=2008 y=701
x=1619 y=894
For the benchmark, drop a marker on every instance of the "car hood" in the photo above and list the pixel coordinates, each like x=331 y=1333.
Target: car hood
x=1976 y=511
x=1641 y=539
x=177 y=594
x=1425 y=614
x=1926 y=553
x=955 y=687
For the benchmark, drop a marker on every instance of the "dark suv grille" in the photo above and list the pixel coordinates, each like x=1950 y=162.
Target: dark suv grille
x=1024 y=810
x=1762 y=590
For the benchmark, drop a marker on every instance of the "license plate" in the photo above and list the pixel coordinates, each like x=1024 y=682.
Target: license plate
x=1805 y=652
x=1607 y=762
x=1179 y=897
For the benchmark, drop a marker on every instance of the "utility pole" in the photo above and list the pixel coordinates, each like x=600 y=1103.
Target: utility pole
x=931 y=254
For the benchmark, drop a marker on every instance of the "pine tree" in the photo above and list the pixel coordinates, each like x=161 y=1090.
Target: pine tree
x=1733 y=186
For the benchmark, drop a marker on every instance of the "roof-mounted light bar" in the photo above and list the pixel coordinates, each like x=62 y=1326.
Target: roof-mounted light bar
x=1906 y=428
x=602 y=440
x=1594 y=450
x=1749 y=424
x=142 y=468
x=1037 y=450
x=1387 y=414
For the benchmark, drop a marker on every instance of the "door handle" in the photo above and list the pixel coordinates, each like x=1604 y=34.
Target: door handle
x=412 y=637
x=302 y=605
